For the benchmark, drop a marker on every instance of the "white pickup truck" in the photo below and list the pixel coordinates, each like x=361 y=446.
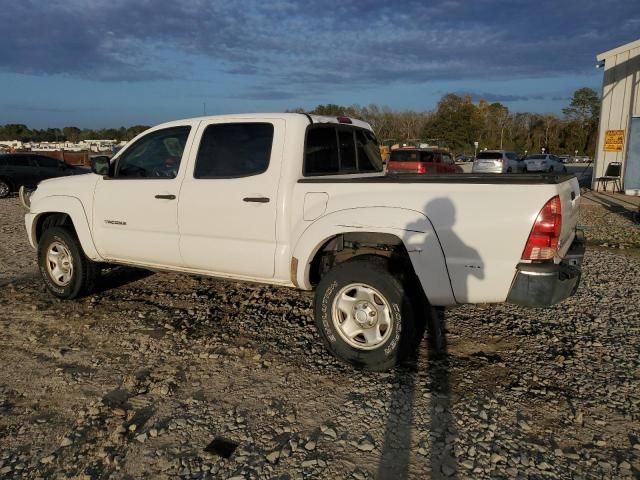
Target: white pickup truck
x=303 y=201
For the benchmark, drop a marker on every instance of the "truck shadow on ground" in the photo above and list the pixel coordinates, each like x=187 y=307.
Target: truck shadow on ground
x=114 y=277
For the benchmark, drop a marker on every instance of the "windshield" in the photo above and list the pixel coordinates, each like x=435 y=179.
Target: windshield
x=489 y=155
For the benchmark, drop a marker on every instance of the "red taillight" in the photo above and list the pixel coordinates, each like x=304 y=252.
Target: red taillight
x=421 y=168
x=344 y=120
x=542 y=243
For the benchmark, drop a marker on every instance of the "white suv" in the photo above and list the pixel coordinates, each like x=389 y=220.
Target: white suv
x=496 y=161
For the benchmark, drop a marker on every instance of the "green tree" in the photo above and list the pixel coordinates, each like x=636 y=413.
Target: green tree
x=72 y=134
x=456 y=123
x=583 y=115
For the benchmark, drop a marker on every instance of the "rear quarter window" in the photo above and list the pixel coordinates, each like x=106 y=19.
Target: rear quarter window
x=340 y=150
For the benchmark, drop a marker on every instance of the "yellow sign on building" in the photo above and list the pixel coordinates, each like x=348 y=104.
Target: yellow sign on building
x=613 y=140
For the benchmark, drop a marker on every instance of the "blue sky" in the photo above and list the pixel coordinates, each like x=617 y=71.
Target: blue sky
x=103 y=63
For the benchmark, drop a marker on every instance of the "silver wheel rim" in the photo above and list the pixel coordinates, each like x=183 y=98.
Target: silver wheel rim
x=59 y=264
x=4 y=189
x=362 y=316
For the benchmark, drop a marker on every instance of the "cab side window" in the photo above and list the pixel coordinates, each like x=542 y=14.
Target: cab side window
x=157 y=155
x=234 y=150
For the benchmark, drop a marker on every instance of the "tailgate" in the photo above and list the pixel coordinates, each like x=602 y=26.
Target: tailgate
x=569 y=192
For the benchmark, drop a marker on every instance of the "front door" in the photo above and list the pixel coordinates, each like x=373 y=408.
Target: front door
x=135 y=215
x=227 y=208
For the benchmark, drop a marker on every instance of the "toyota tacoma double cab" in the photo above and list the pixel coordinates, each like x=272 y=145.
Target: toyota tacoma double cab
x=303 y=201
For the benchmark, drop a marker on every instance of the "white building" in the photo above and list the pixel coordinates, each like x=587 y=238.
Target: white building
x=619 y=132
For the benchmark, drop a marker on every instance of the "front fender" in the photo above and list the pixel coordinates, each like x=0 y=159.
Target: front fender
x=72 y=207
x=413 y=228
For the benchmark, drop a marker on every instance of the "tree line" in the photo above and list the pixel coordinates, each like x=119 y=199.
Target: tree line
x=16 y=131
x=456 y=122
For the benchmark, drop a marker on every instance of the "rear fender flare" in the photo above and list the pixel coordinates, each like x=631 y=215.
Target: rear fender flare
x=413 y=228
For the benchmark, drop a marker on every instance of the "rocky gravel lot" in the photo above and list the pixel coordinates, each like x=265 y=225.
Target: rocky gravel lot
x=138 y=380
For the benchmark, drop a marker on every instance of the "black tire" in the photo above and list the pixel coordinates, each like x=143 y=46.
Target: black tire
x=405 y=329
x=509 y=170
x=5 y=188
x=524 y=169
x=84 y=272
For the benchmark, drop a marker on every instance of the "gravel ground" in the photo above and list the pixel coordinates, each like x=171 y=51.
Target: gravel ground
x=136 y=381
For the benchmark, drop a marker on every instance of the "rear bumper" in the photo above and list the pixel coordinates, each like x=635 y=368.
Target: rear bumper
x=536 y=168
x=487 y=170
x=541 y=284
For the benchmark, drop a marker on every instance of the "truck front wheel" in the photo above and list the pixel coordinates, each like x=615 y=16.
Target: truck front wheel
x=364 y=314
x=66 y=271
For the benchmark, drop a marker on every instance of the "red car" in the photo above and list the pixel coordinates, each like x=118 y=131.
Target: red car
x=421 y=161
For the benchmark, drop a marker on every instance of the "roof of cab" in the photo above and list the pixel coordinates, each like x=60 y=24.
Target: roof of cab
x=284 y=116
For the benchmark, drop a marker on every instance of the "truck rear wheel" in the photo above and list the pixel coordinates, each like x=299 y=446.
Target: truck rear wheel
x=365 y=315
x=66 y=271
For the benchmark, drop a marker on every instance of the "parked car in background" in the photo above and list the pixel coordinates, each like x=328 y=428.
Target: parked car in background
x=496 y=161
x=421 y=161
x=543 y=163
x=18 y=169
x=464 y=158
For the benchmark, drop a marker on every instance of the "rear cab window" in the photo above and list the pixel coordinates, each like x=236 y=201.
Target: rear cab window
x=332 y=149
x=407 y=156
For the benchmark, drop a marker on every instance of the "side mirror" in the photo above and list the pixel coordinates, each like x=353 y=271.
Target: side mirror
x=100 y=165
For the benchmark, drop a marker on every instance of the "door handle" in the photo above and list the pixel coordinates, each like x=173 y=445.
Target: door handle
x=166 y=197
x=256 y=199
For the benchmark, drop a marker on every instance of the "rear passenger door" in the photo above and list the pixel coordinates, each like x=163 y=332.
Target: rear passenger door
x=228 y=200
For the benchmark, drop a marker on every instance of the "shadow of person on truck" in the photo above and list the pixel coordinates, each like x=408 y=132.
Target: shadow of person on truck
x=397 y=450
